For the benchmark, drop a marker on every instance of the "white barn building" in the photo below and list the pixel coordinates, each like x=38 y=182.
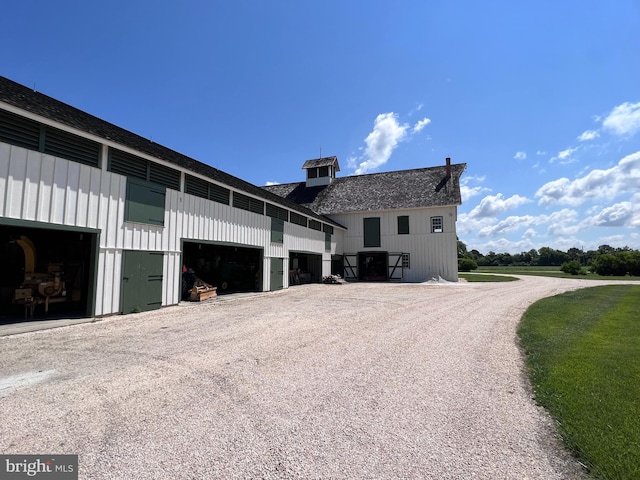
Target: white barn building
x=96 y=220
x=399 y=225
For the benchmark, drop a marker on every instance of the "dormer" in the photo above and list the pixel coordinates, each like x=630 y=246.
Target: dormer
x=321 y=171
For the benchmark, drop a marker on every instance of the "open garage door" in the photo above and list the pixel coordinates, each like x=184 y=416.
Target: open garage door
x=46 y=273
x=231 y=269
x=304 y=268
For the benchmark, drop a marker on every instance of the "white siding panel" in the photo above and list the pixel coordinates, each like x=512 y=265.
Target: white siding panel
x=5 y=154
x=59 y=191
x=15 y=182
x=31 y=186
x=172 y=279
x=71 y=197
x=93 y=209
x=46 y=188
x=109 y=281
x=84 y=185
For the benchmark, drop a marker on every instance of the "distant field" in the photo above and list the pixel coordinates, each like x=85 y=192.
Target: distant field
x=545 y=272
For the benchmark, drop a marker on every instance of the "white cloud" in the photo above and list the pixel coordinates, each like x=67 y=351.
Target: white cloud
x=540 y=152
x=588 y=135
x=269 y=183
x=468 y=192
x=381 y=142
x=421 y=124
x=467 y=224
x=492 y=205
x=508 y=225
x=623 y=214
x=597 y=184
x=564 y=156
x=520 y=156
x=563 y=223
x=623 y=119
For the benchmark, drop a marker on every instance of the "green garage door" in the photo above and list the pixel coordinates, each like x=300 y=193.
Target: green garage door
x=141 y=281
x=277 y=274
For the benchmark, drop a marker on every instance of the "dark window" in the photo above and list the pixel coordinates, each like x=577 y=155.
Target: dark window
x=166 y=176
x=32 y=135
x=277 y=230
x=298 y=219
x=204 y=189
x=136 y=167
x=126 y=164
x=72 y=147
x=219 y=194
x=323 y=171
x=327 y=228
x=196 y=186
x=277 y=212
x=19 y=131
x=327 y=241
x=315 y=225
x=403 y=225
x=436 y=224
x=312 y=172
x=371 y=227
x=245 y=202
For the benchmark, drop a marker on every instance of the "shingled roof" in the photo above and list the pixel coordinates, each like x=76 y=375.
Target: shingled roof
x=322 y=162
x=423 y=187
x=28 y=99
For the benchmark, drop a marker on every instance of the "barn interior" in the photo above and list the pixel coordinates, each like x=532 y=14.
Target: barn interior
x=46 y=273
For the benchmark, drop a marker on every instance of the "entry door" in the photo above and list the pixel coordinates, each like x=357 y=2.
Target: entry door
x=141 y=281
x=350 y=266
x=277 y=273
x=395 y=266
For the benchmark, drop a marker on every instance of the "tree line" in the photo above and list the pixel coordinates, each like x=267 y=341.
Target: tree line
x=606 y=260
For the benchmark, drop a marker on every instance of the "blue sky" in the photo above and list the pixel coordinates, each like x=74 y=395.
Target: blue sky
x=541 y=100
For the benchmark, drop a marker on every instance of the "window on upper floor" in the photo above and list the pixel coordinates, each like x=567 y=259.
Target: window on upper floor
x=436 y=224
x=323 y=171
x=371 y=227
x=403 y=225
x=277 y=230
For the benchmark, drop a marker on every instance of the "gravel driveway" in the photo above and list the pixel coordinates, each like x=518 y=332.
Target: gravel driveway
x=319 y=381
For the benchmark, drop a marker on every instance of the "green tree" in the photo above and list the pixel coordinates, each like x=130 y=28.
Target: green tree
x=609 y=264
x=466 y=264
x=572 y=267
x=462 y=249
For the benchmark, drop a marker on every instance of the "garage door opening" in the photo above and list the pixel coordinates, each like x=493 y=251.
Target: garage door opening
x=373 y=266
x=304 y=268
x=46 y=273
x=229 y=268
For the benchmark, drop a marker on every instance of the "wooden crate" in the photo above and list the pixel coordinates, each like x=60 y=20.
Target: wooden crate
x=200 y=293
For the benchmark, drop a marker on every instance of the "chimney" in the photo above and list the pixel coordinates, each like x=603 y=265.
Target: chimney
x=448 y=167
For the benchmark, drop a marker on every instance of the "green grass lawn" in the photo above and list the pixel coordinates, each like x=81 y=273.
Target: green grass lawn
x=583 y=355
x=480 y=277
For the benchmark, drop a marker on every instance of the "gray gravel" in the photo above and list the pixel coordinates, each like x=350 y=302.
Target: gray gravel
x=320 y=381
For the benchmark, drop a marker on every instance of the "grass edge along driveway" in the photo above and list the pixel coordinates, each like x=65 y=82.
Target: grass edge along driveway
x=583 y=357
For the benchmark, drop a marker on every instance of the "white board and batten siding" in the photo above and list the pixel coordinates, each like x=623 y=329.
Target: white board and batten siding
x=43 y=188
x=428 y=252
